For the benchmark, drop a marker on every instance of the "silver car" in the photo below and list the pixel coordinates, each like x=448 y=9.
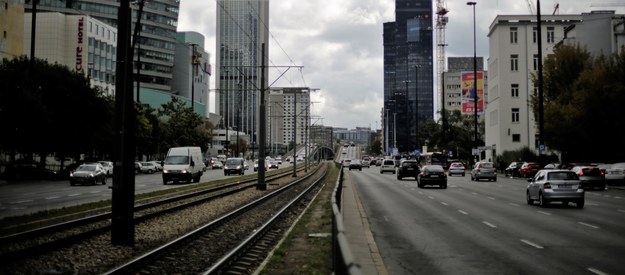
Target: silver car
x=555 y=185
x=484 y=170
x=456 y=168
x=90 y=173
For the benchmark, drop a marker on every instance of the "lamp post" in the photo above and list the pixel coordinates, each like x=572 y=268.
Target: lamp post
x=474 y=78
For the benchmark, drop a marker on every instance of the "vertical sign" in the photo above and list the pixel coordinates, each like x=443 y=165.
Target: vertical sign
x=468 y=92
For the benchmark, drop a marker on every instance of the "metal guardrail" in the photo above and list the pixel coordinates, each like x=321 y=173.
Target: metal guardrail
x=342 y=258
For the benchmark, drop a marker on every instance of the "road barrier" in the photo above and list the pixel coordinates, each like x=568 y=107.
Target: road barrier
x=342 y=258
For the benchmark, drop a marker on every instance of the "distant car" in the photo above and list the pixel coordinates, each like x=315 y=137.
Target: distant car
x=555 y=185
x=590 y=177
x=513 y=169
x=255 y=165
x=272 y=164
x=108 y=167
x=345 y=163
x=388 y=165
x=217 y=165
x=615 y=173
x=137 y=167
x=148 y=167
x=366 y=162
x=529 y=169
x=456 y=168
x=157 y=164
x=234 y=166
x=246 y=166
x=408 y=169
x=484 y=170
x=432 y=175
x=355 y=164
x=91 y=173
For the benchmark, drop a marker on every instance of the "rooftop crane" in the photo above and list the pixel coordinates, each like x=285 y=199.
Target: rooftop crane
x=441 y=22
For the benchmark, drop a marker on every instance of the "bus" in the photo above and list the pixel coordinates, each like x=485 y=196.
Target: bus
x=435 y=158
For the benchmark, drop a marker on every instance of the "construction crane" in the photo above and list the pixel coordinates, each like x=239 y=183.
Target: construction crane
x=441 y=23
x=530 y=4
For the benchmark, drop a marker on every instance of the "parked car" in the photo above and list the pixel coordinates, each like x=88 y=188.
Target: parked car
x=529 y=169
x=234 y=166
x=108 y=167
x=355 y=164
x=513 y=169
x=408 y=168
x=148 y=167
x=555 y=185
x=615 y=173
x=590 y=177
x=456 y=168
x=157 y=164
x=28 y=171
x=484 y=170
x=90 y=173
x=432 y=175
x=388 y=165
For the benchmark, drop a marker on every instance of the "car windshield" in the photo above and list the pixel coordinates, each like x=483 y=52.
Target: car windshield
x=562 y=176
x=620 y=165
x=233 y=161
x=177 y=160
x=591 y=171
x=409 y=164
x=486 y=165
x=433 y=168
x=86 y=168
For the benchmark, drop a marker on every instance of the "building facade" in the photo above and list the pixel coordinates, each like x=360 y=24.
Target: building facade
x=513 y=50
x=191 y=72
x=454 y=90
x=408 y=74
x=242 y=30
x=288 y=117
x=11 y=29
x=80 y=42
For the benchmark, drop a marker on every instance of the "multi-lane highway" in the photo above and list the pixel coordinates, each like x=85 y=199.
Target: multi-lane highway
x=487 y=228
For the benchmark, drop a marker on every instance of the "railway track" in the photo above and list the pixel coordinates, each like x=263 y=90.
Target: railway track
x=36 y=242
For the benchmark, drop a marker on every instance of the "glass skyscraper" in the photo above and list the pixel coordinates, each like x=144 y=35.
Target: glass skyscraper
x=242 y=29
x=408 y=75
x=157 y=35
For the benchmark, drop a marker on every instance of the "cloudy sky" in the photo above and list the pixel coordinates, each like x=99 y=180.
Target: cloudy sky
x=339 y=45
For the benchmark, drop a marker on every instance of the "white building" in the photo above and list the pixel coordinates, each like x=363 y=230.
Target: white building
x=513 y=51
x=80 y=42
x=288 y=116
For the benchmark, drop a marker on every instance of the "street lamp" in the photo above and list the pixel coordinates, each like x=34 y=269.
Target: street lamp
x=474 y=78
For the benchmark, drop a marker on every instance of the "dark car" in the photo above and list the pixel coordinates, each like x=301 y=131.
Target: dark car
x=234 y=166
x=28 y=171
x=513 y=169
x=432 y=175
x=355 y=164
x=89 y=173
x=529 y=169
x=590 y=177
x=408 y=168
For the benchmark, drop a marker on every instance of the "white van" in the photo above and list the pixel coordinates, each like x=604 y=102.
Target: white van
x=183 y=164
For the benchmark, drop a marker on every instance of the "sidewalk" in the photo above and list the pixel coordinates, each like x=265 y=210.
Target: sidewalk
x=359 y=236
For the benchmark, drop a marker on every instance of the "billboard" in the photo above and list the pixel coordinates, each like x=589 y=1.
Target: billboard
x=468 y=92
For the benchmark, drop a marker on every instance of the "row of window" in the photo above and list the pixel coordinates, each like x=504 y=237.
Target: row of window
x=514 y=34
x=514 y=62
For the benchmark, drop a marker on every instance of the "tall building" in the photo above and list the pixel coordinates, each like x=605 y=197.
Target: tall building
x=408 y=75
x=288 y=117
x=157 y=35
x=11 y=29
x=192 y=69
x=242 y=30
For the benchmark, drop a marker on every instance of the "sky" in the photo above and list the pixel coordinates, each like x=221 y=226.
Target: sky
x=339 y=45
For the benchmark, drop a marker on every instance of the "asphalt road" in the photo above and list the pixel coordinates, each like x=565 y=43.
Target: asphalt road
x=487 y=228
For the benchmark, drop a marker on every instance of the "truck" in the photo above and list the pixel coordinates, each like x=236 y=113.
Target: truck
x=183 y=164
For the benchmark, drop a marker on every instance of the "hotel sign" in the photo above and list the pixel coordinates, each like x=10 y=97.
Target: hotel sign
x=80 y=47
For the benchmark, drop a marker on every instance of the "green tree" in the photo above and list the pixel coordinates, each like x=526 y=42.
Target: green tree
x=582 y=101
x=181 y=126
x=459 y=134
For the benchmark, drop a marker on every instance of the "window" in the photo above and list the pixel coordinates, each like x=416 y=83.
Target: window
x=515 y=115
x=513 y=35
x=534 y=35
x=550 y=35
x=516 y=138
x=535 y=62
x=514 y=90
x=514 y=62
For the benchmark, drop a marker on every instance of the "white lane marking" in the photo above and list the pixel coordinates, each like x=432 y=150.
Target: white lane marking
x=431 y=197
x=514 y=204
x=446 y=204
x=420 y=192
x=386 y=218
x=74 y=195
x=463 y=212
x=491 y=198
x=590 y=203
x=617 y=197
x=474 y=193
x=607 y=196
x=23 y=201
x=532 y=244
x=589 y=225
x=544 y=213
x=94 y=192
x=596 y=271
x=621 y=210
x=489 y=224
x=52 y=198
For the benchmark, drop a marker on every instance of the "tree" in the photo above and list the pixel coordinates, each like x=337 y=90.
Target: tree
x=181 y=126
x=582 y=100
x=458 y=135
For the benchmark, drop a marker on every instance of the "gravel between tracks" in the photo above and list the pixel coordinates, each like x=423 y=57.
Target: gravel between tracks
x=97 y=255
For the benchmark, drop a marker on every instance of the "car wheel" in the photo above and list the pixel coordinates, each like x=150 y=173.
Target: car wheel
x=150 y=171
x=579 y=204
x=528 y=198
x=72 y=183
x=398 y=177
x=463 y=174
x=541 y=200
x=164 y=182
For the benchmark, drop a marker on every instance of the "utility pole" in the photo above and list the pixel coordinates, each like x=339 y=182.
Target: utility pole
x=262 y=124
